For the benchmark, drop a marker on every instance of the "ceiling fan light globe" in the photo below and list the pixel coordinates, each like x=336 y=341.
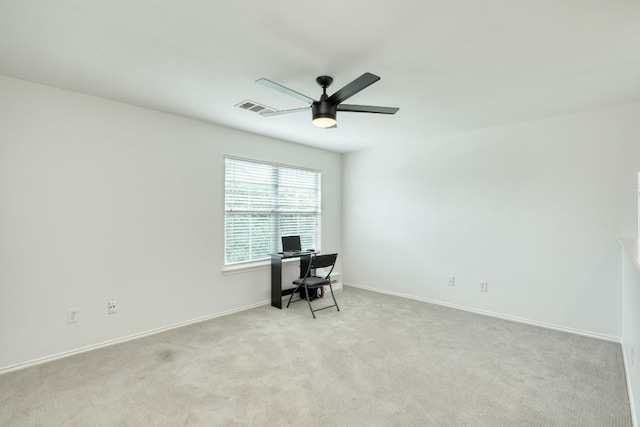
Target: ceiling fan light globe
x=324 y=122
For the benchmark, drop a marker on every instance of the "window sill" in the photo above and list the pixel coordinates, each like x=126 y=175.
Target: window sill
x=246 y=267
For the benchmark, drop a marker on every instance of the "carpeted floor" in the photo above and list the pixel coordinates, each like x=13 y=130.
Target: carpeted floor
x=381 y=361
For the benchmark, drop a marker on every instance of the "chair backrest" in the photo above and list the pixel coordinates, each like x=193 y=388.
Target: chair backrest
x=322 y=261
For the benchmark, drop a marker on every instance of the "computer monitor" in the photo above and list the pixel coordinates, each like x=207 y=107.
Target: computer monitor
x=291 y=244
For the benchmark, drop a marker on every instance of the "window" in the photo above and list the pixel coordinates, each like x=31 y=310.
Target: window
x=265 y=201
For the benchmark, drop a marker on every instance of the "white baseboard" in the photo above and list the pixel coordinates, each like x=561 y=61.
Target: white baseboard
x=47 y=359
x=627 y=374
x=492 y=314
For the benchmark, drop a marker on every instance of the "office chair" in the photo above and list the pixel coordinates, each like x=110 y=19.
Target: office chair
x=312 y=282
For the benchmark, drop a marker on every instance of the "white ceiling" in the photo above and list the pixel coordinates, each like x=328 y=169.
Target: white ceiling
x=450 y=66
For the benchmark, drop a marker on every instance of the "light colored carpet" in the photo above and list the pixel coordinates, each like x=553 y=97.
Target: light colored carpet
x=381 y=361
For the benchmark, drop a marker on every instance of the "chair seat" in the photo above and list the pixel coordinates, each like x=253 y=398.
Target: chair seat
x=312 y=282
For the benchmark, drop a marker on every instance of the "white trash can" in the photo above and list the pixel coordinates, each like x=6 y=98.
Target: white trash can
x=336 y=283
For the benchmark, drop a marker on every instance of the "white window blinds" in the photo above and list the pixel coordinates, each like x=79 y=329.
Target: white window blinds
x=264 y=202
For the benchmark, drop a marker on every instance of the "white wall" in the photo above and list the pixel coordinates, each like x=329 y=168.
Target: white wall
x=534 y=209
x=104 y=201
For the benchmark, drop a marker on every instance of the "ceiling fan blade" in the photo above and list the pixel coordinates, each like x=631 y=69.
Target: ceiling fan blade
x=367 y=109
x=365 y=80
x=273 y=85
x=278 y=112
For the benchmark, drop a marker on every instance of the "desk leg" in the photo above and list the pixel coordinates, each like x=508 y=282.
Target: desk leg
x=304 y=264
x=276 y=281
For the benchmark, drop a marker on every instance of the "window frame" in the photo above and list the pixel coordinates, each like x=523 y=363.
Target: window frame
x=276 y=214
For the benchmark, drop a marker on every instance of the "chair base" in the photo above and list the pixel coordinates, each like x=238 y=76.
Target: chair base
x=306 y=288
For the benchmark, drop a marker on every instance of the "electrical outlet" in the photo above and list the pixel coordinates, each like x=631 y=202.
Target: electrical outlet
x=72 y=315
x=483 y=286
x=452 y=281
x=112 y=307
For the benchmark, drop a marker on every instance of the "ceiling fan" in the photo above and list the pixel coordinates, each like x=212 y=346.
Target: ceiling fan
x=324 y=110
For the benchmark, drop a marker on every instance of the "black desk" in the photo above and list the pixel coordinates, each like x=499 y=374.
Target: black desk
x=276 y=274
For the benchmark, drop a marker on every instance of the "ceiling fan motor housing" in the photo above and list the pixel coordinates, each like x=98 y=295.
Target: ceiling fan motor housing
x=323 y=110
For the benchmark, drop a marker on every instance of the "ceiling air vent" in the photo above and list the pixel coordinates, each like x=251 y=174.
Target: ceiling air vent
x=255 y=107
